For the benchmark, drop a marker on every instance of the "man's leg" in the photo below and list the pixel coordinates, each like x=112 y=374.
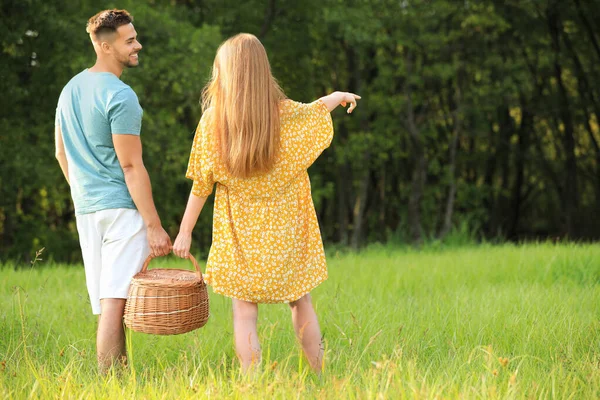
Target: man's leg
x=110 y=340
x=90 y=240
x=307 y=330
x=247 y=347
x=124 y=250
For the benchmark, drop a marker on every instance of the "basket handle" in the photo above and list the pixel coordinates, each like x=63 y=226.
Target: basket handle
x=189 y=257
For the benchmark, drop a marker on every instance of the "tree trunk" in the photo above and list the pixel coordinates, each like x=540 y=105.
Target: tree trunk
x=382 y=200
x=420 y=164
x=517 y=192
x=588 y=27
x=268 y=20
x=499 y=205
x=596 y=173
x=359 y=210
x=452 y=165
x=570 y=199
x=342 y=185
x=589 y=97
x=451 y=186
x=414 y=200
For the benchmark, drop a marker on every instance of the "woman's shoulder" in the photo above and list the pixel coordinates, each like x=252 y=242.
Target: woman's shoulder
x=286 y=106
x=207 y=115
x=205 y=124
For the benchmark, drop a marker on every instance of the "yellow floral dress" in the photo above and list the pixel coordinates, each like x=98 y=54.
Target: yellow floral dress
x=266 y=245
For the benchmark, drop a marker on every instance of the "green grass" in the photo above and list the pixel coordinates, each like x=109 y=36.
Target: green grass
x=470 y=322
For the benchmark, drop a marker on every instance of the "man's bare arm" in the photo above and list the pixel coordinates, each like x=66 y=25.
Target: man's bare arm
x=60 y=154
x=129 y=153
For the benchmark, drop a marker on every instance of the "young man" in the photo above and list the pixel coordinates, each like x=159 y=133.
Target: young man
x=98 y=147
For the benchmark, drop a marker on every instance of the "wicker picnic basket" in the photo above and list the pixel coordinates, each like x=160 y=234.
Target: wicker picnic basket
x=167 y=301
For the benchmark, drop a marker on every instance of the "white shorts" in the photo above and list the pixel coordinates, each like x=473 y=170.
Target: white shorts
x=114 y=247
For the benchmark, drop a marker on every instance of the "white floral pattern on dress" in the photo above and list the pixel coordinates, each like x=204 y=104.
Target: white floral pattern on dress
x=266 y=246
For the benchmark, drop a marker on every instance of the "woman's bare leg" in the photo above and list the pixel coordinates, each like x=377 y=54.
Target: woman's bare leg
x=247 y=347
x=307 y=330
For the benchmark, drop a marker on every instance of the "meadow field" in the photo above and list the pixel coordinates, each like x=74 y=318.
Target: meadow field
x=474 y=321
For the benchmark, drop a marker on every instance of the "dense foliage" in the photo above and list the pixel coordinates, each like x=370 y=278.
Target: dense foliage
x=480 y=116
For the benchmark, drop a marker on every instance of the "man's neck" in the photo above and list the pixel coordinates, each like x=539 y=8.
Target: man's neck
x=103 y=66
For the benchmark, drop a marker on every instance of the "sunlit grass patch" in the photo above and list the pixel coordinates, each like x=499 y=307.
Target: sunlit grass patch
x=470 y=322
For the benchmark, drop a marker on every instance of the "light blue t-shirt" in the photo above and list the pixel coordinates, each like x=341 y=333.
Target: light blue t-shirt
x=92 y=107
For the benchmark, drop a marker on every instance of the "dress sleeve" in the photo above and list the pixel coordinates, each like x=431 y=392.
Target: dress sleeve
x=316 y=130
x=200 y=165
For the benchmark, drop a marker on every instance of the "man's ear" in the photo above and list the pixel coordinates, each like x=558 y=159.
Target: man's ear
x=105 y=47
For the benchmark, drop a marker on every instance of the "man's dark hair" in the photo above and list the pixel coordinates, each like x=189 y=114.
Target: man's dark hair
x=106 y=22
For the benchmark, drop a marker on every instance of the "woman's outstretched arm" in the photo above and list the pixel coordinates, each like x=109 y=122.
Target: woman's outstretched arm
x=336 y=98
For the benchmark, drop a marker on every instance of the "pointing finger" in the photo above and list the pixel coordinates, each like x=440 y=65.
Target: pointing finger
x=352 y=107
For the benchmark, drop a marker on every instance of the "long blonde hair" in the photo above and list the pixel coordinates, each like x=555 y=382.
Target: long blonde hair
x=245 y=99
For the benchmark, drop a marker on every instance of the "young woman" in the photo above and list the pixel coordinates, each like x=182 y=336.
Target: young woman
x=256 y=145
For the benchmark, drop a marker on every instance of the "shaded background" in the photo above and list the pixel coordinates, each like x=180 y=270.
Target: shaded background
x=478 y=118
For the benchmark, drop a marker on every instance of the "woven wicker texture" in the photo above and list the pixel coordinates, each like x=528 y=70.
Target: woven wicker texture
x=167 y=301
